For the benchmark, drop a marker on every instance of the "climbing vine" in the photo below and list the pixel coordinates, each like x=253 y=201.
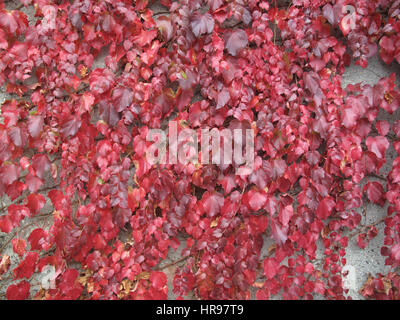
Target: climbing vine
x=73 y=136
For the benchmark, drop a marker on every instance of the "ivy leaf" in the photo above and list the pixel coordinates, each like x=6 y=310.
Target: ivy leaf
x=87 y=101
x=16 y=136
x=285 y=214
x=35 y=203
x=223 y=98
x=279 y=233
x=395 y=251
x=255 y=200
x=165 y=26
x=329 y=13
x=19 y=291
x=271 y=267
x=158 y=279
x=201 y=24
x=212 y=203
x=325 y=208
x=27 y=267
x=122 y=98
x=36 y=239
x=9 y=173
x=13 y=21
x=383 y=127
x=71 y=126
x=215 y=4
x=235 y=41
x=57 y=199
x=6 y=224
x=375 y=192
x=19 y=246
x=41 y=164
x=377 y=145
x=108 y=113
x=33 y=183
x=35 y=125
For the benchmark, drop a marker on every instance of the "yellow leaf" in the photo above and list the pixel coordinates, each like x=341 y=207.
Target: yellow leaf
x=214 y=223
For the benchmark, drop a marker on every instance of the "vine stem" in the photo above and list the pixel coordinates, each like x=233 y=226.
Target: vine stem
x=374 y=175
x=174 y=263
x=22 y=228
x=161 y=12
x=21 y=197
x=367 y=227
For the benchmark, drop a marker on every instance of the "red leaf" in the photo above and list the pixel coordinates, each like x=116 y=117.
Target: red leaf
x=69 y=286
x=158 y=279
x=16 y=213
x=18 y=291
x=122 y=98
x=35 y=125
x=165 y=26
x=235 y=41
x=17 y=136
x=278 y=233
x=19 y=246
x=349 y=117
x=395 y=251
x=383 y=127
x=255 y=200
x=201 y=24
x=263 y=294
x=33 y=183
x=223 y=98
x=362 y=242
x=9 y=173
x=271 y=267
x=215 y=4
x=198 y=113
x=319 y=287
x=135 y=197
x=375 y=192
x=57 y=199
x=329 y=13
x=228 y=183
x=27 y=267
x=212 y=203
x=13 y=21
x=71 y=126
x=87 y=101
x=145 y=37
x=377 y=145
x=285 y=214
x=325 y=208
x=36 y=238
x=108 y=113
x=15 y=189
x=41 y=163
x=35 y=203
x=6 y=224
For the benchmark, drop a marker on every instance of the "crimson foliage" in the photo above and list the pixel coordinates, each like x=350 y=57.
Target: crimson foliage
x=215 y=63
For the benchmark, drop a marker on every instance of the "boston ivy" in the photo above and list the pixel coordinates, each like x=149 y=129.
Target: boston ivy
x=273 y=67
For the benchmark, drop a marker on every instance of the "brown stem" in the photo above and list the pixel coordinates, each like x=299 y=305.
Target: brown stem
x=374 y=175
x=161 y=12
x=366 y=227
x=174 y=263
x=22 y=228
